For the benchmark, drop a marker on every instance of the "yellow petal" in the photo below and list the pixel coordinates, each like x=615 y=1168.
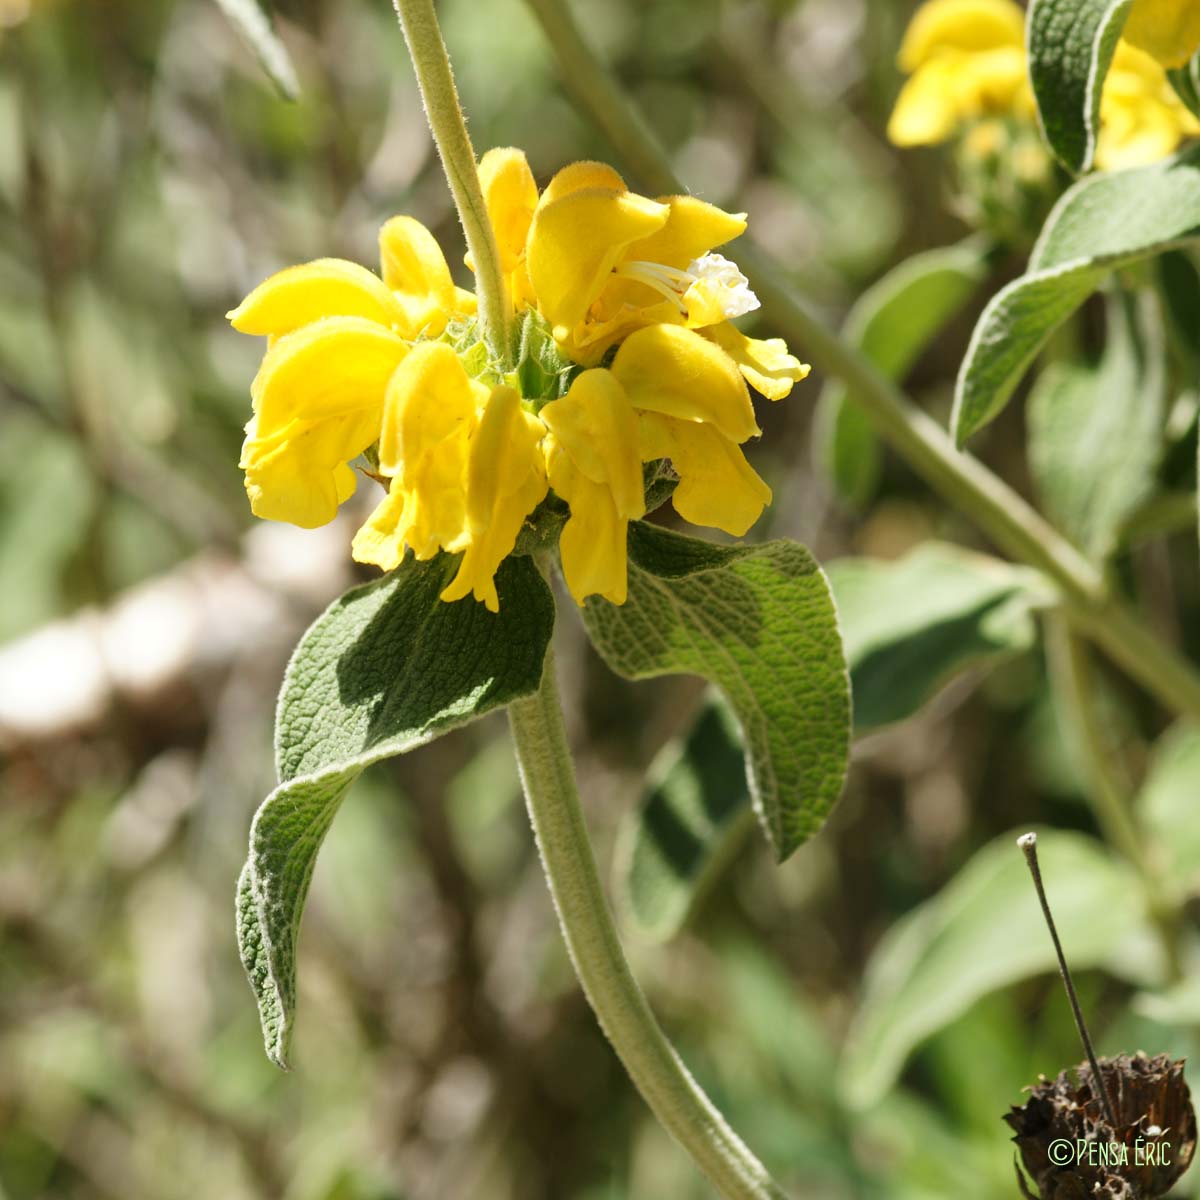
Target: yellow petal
x=1142 y=120
x=429 y=398
x=328 y=287
x=579 y=175
x=717 y=486
x=765 y=363
x=325 y=369
x=970 y=25
x=957 y=87
x=575 y=242
x=597 y=427
x=414 y=267
x=1167 y=29
x=671 y=370
x=510 y=194
x=692 y=229
x=592 y=545
x=380 y=540
x=506 y=480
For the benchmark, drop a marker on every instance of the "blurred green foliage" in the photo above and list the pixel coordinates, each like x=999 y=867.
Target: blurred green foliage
x=149 y=175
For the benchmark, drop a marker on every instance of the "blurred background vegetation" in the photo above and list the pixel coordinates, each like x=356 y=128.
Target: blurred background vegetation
x=149 y=176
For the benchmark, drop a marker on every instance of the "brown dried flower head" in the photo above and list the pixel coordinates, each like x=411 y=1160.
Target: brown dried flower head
x=1156 y=1129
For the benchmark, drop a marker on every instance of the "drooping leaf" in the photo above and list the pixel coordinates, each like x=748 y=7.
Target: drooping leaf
x=908 y=628
x=1071 y=47
x=911 y=625
x=984 y=931
x=892 y=324
x=386 y=668
x=1167 y=806
x=759 y=622
x=1095 y=432
x=690 y=821
x=1102 y=223
x=254 y=25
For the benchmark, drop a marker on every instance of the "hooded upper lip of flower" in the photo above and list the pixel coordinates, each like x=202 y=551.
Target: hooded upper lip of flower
x=966 y=60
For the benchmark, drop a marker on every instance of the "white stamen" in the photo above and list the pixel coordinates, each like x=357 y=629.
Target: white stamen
x=732 y=286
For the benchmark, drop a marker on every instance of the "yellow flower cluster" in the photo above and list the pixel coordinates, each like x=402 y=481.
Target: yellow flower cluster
x=966 y=61
x=638 y=303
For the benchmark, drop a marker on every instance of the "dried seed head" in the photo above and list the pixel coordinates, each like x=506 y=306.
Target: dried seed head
x=1153 y=1108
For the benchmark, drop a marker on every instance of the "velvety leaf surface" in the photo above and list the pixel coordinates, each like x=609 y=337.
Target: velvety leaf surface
x=1095 y=432
x=690 y=821
x=387 y=667
x=1102 y=223
x=1071 y=46
x=912 y=624
x=759 y=622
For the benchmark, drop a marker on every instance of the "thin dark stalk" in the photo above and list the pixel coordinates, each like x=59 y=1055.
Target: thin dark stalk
x=1028 y=844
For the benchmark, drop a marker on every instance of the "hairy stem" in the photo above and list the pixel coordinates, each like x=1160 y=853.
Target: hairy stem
x=1108 y=789
x=548 y=776
x=966 y=483
x=449 y=128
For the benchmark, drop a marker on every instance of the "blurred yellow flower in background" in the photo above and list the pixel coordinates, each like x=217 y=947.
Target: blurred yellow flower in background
x=392 y=368
x=1167 y=29
x=966 y=62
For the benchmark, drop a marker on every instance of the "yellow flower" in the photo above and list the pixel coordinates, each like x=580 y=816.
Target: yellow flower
x=1141 y=118
x=337 y=332
x=357 y=364
x=599 y=261
x=966 y=60
x=1167 y=29
x=967 y=63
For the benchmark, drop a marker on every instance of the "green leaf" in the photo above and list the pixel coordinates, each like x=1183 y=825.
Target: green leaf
x=1071 y=47
x=387 y=667
x=1186 y=82
x=892 y=324
x=1095 y=432
x=1102 y=223
x=759 y=622
x=984 y=931
x=250 y=20
x=690 y=822
x=913 y=624
x=908 y=627
x=1167 y=804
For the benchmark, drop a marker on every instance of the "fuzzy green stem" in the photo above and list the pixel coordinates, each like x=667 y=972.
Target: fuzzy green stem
x=1108 y=789
x=449 y=128
x=1012 y=524
x=548 y=777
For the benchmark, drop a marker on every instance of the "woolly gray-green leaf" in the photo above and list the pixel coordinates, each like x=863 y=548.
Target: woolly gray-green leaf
x=1095 y=432
x=983 y=931
x=759 y=622
x=691 y=820
x=387 y=667
x=1071 y=47
x=1102 y=223
x=892 y=324
x=913 y=624
x=254 y=25
x=908 y=627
